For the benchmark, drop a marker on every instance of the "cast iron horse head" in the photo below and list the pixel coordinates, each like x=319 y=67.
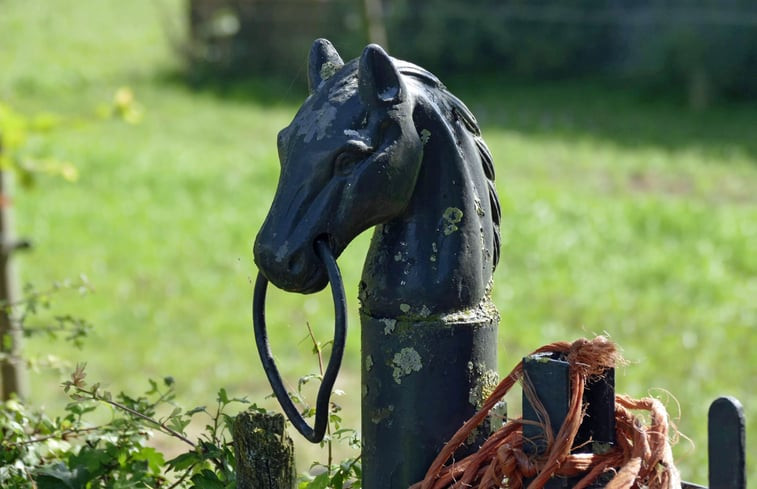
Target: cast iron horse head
x=380 y=141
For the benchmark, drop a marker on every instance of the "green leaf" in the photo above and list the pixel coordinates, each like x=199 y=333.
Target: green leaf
x=154 y=459
x=207 y=479
x=179 y=424
x=184 y=461
x=92 y=459
x=337 y=482
x=58 y=476
x=198 y=409
x=320 y=482
x=223 y=397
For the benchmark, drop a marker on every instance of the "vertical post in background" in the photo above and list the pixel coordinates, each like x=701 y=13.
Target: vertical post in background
x=12 y=371
x=726 y=441
x=264 y=452
x=374 y=21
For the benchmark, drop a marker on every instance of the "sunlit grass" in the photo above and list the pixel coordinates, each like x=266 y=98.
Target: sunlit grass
x=621 y=215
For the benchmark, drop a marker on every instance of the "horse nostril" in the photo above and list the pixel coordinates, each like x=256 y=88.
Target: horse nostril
x=296 y=265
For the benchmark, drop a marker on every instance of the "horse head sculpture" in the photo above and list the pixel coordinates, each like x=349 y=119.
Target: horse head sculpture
x=381 y=142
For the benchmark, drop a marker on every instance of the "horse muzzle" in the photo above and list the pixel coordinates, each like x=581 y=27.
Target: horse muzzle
x=294 y=270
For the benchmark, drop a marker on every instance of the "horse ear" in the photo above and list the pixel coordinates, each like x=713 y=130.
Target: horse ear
x=322 y=63
x=378 y=78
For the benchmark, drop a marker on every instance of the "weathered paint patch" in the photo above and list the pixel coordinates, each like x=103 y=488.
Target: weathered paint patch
x=341 y=92
x=281 y=252
x=315 y=123
x=381 y=414
x=405 y=362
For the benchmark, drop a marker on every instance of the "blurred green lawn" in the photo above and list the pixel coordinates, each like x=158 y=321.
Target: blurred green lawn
x=622 y=215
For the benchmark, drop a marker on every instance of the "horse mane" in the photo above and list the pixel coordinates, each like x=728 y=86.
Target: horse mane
x=459 y=110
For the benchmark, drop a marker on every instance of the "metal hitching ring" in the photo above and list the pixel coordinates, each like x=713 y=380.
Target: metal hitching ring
x=314 y=434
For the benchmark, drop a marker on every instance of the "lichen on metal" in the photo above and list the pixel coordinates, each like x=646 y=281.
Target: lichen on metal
x=425 y=136
x=328 y=69
x=405 y=362
x=484 y=385
x=451 y=217
x=483 y=310
x=389 y=325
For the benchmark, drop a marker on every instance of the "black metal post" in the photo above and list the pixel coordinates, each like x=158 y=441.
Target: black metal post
x=726 y=442
x=421 y=382
x=548 y=376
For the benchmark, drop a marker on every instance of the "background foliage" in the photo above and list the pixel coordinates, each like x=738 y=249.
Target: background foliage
x=622 y=213
x=698 y=50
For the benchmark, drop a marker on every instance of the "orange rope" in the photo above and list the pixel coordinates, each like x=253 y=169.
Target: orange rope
x=640 y=458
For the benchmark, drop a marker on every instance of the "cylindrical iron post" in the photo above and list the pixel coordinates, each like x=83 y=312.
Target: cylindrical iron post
x=421 y=381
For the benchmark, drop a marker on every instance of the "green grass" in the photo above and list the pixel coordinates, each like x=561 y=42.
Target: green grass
x=621 y=214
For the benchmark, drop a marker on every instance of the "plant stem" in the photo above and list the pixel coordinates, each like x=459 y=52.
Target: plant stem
x=183 y=477
x=319 y=354
x=61 y=435
x=93 y=394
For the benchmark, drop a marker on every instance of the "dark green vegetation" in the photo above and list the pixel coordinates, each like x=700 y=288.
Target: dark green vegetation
x=621 y=214
x=73 y=449
x=701 y=51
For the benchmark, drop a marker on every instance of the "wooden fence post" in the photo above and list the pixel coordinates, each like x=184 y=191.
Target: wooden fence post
x=264 y=452
x=13 y=376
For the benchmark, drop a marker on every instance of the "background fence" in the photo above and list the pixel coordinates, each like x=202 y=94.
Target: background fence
x=703 y=50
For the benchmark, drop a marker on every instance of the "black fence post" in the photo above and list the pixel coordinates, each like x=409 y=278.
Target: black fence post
x=547 y=376
x=726 y=443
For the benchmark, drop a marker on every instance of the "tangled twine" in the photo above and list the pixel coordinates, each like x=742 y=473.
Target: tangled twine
x=640 y=458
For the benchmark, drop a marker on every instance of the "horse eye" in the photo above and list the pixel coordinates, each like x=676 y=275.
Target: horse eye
x=346 y=161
